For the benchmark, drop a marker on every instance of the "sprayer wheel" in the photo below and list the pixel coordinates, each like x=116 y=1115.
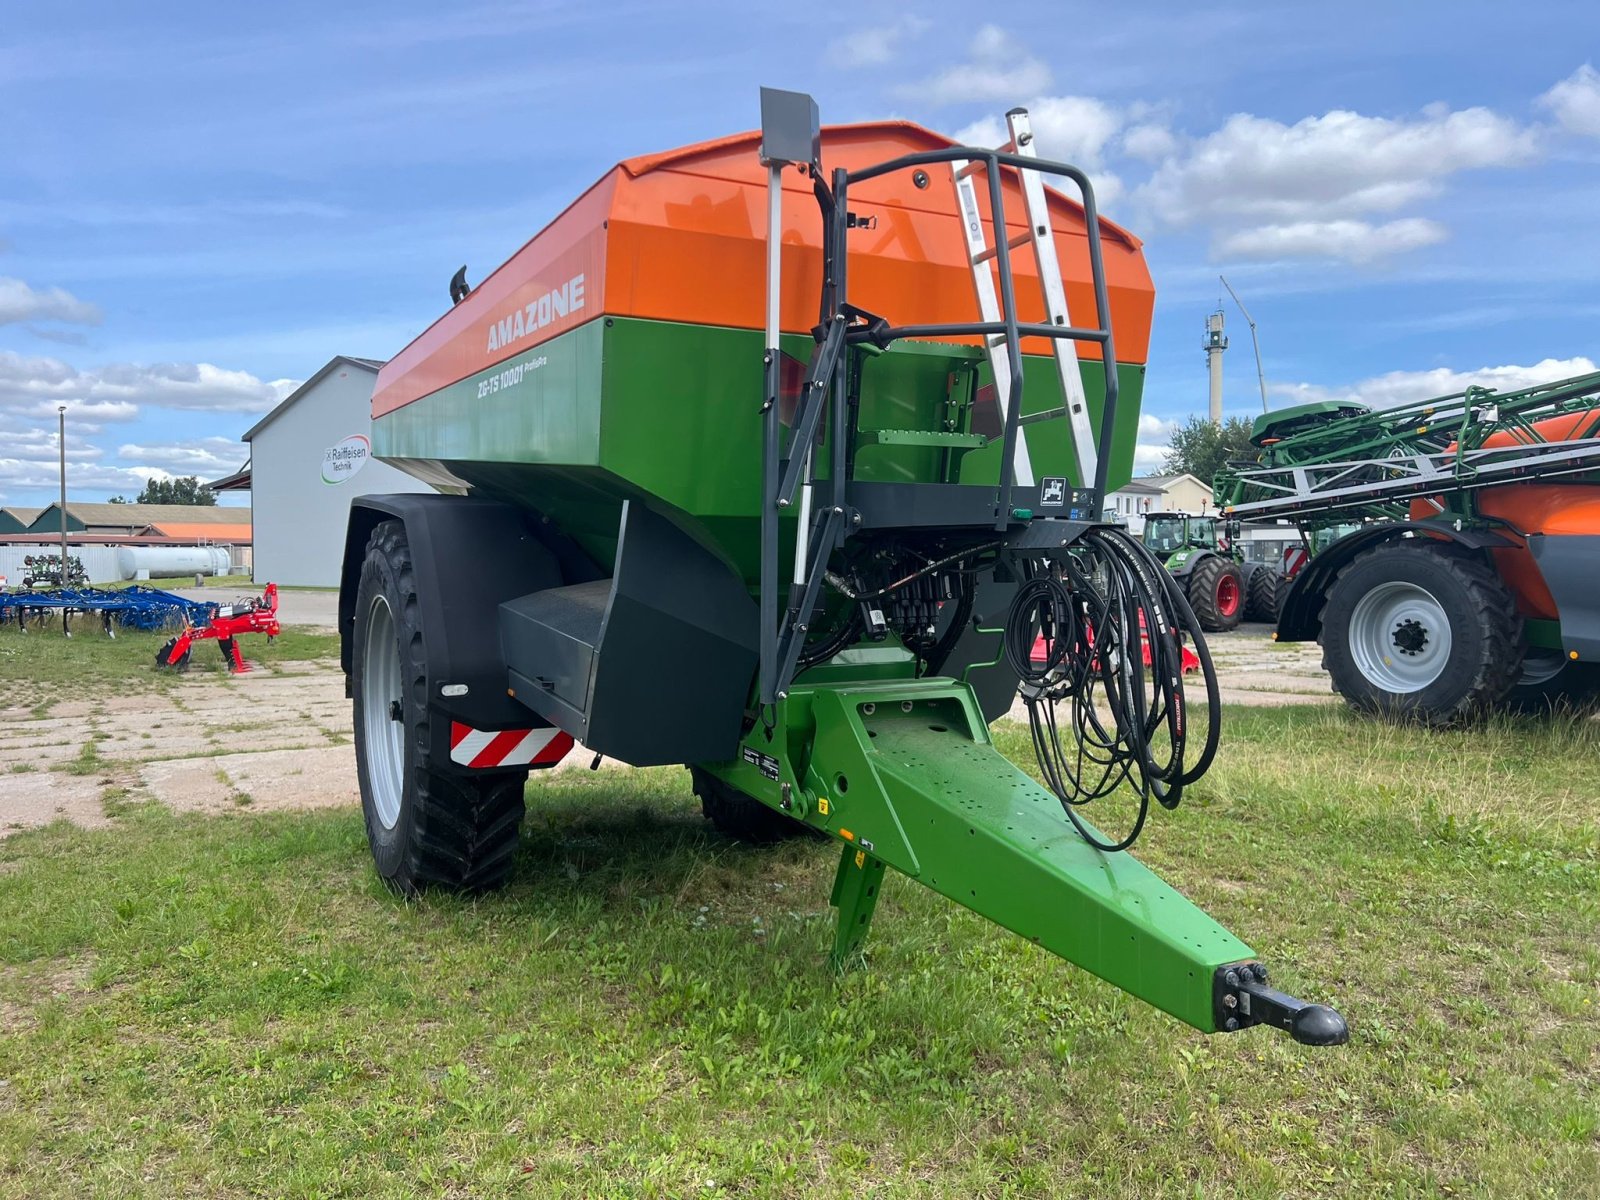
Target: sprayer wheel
x=1421 y=630
x=741 y=816
x=427 y=826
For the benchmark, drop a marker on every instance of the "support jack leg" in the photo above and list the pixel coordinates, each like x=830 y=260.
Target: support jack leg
x=855 y=895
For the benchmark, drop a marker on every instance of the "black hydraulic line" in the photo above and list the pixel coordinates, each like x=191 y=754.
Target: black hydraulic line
x=1098 y=611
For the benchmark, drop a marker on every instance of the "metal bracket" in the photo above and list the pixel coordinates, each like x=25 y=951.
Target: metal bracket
x=1242 y=999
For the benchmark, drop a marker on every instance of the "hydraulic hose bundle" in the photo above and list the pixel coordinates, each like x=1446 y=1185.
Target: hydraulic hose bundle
x=1112 y=621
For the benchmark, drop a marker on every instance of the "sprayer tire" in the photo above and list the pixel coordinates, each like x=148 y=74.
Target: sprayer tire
x=1261 y=595
x=741 y=816
x=1421 y=630
x=427 y=826
x=1210 y=594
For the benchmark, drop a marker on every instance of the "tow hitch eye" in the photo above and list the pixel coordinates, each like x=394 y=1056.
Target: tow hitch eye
x=1244 y=999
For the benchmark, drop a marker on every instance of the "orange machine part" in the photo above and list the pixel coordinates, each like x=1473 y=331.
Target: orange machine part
x=1530 y=508
x=680 y=236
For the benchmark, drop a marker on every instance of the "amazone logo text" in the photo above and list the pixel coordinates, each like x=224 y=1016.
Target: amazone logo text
x=568 y=298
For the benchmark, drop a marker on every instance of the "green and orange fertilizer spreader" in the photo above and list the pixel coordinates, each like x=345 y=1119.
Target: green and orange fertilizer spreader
x=711 y=503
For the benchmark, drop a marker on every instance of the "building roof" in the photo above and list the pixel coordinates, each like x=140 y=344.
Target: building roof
x=283 y=406
x=140 y=516
x=1137 y=488
x=212 y=531
x=1165 y=482
x=26 y=515
x=239 y=481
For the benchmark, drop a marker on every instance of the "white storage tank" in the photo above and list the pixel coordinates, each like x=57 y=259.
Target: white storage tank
x=156 y=562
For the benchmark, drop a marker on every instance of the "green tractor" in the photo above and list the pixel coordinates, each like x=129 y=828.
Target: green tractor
x=1223 y=589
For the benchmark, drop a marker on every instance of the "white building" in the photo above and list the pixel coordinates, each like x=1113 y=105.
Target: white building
x=309 y=457
x=1157 y=493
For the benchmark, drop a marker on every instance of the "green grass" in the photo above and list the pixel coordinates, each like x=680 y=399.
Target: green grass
x=233 y=1006
x=41 y=667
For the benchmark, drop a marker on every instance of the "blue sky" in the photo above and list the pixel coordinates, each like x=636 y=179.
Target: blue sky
x=200 y=203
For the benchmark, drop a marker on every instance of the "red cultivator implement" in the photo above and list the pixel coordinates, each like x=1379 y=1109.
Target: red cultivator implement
x=224 y=623
x=1190 y=660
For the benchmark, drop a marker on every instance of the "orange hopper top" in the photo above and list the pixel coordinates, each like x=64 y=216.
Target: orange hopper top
x=680 y=236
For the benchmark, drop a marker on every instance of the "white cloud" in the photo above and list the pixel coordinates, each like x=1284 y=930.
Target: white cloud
x=873 y=47
x=41 y=476
x=1072 y=129
x=998 y=68
x=206 y=457
x=1152 y=446
x=1256 y=181
x=20 y=302
x=33 y=387
x=1349 y=241
x=1575 y=101
x=1404 y=387
x=1149 y=143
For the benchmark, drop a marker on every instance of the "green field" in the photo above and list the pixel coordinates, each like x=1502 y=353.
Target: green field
x=232 y=1006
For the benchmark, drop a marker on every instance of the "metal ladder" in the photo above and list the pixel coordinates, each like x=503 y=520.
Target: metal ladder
x=1040 y=234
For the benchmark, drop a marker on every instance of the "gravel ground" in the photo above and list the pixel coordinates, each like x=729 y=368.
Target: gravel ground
x=280 y=738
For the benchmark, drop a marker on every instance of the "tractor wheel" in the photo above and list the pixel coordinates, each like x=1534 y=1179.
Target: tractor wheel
x=1216 y=593
x=427 y=827
x=741 y=816
x=1421 y=630
x=1550 y=683
x=1261 y=595
x=165 y=653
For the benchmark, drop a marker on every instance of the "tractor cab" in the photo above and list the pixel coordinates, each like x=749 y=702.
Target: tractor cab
x=1168 y=533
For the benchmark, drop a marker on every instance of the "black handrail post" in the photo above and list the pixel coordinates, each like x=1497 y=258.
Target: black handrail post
x=1108 y=349
x=1008 y=314
x=841 y=432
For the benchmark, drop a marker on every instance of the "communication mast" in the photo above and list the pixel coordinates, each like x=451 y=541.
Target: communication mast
x=1214 y=344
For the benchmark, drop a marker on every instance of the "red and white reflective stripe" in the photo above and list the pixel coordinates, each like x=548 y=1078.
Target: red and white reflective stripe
x=1294 y=557
x=507 y=747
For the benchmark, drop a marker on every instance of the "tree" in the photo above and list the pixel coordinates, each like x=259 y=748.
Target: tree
x=1200 y=448
x=187 y=490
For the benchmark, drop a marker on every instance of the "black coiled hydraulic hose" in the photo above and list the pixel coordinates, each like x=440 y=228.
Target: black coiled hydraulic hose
x=1129 y=721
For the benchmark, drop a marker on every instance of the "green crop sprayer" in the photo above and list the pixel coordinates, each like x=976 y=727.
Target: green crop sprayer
x=710 y=504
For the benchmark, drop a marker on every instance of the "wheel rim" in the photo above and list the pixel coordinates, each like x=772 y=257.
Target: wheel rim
x=1227 y=595
x=1539 y=669
x=1400 y=637
x=383 y=735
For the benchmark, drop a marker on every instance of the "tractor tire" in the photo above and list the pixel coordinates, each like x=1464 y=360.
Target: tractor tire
x=741 y=816
x=1261 y=596
x=427 y=826
x=1550 y=683
x=1216 y=593
x=1422 y=631
x=163 y=654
